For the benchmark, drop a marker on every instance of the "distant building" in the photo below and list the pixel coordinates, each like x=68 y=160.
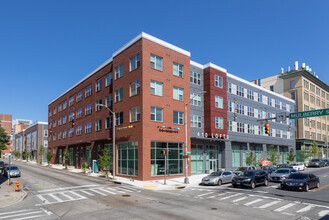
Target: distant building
x=6 y=124
x=310 y=93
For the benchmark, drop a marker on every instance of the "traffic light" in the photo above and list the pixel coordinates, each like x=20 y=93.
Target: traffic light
x=267 y=128
x=73 y=119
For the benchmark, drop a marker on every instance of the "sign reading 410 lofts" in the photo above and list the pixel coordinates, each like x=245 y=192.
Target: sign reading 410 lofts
x=306 y=114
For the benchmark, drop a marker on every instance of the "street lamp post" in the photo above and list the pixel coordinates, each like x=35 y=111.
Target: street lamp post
x=186 y=180
x=113 y=139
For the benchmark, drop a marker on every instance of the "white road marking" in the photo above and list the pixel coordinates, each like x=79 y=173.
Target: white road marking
x=67 y=196
x=116 y=190
x=284 y=207
x=94 y=190
x=253 y=202
x=45 y=201
x=55 y=197
x=108 y=191
x=306 y=208
x=227 y=197
x=78 y=195
x=25 y=210
x=205 y=194
x=128 y=188
x=242 y=198
x=88 y=193
x=15 y=215
x=65 y=188
x=29 y=217
x=323 y=213
x=268 y=204
x=260 y=191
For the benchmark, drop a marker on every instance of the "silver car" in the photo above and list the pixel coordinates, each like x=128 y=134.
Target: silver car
x=218 y=177
x=281 y=174
x=13 y=171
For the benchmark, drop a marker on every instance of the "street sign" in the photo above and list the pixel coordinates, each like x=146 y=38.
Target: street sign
x=281 y=117
x=314 y=113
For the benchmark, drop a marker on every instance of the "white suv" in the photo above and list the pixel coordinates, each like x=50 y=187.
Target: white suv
x=298 y=166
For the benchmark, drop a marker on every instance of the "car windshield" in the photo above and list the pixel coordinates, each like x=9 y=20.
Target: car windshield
x=12 y=168
x=282 y=171
x=2 y=163
x=215 y=174
x=241 y=169
x=266 y=168
x=298 y=176
x=247 y=173
x=315 y=160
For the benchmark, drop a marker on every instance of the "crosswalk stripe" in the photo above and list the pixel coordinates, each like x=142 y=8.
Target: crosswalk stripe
x=116 y=190
x=67 y=196
x=122 y=188
x=323 y=213
x=29 y=217
x=268 y=204
x=88 y=193
x=113 y=193
x=205 y=194
x=6 y=213
x=306 y=208
x=128 y=188
x=55 y=197
x=94 y=190
x=253 y=202
x=78 y=195
x=242 y=198
x=15 y=215
x=227 y=197
x=285 y=207
x=65 y=188
x=45 y=201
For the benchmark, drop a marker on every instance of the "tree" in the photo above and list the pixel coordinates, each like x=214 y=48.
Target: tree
x=49 y=156
x=251 y=159
x=273 y=155
x=290 y=156
x=314 y=150
x=4 y=140
x=304 y=154
x=83 y=166
x=27 y=155
x=41 y=152
x=66 y=158
x=105 y=161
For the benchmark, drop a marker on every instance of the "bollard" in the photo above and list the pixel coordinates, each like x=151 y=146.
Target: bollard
x=17 y=186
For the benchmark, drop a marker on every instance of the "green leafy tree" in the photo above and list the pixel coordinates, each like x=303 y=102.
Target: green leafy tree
x=41 y=152
x=27 y=155
x=105 y=160
x=290 y=156
x=83 y=166
x=49 y=156
x=4 y=140
x=314 y=150
x=273 y=155
x=304 y=154
x=66 y=158
x=251 y=159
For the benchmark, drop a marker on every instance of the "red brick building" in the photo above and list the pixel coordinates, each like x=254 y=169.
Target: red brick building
x=146 y=83
x=6 y=124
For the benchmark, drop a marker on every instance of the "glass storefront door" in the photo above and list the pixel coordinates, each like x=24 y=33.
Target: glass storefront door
x=71 y=154
x=60 y=156
x=196 y=159
x=212 y=165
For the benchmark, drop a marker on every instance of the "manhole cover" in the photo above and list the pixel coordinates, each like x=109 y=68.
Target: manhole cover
x=125 y=195
x=6 y=195
x=213 y=208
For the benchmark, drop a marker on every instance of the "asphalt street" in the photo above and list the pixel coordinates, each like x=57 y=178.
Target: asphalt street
x=57 y=194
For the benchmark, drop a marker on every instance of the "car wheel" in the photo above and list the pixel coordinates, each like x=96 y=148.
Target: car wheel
x=234 y=185
x=282 y=187
x=253 y=185
x=318 y=185
x=307 y=188
x=219 y=183
x=265 y=182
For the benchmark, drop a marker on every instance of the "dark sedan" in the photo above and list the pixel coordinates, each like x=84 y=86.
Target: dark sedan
x=301 y=181
x=268 y=169
x=316 y=163
x=251 y=179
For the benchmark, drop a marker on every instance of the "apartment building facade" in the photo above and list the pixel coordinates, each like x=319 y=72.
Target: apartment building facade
x=310 y=93
x=6 y=124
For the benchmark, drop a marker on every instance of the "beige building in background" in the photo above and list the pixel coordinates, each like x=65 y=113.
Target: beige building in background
x=310 y=93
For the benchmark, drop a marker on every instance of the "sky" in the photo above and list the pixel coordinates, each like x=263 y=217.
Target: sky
x=48 y=46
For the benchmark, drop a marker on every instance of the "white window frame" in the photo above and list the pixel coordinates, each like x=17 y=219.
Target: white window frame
x=155 y=86
x=88 y=91
x=219 y=102
x=135 y=114
x=88 y=127
x=154 y=59
x=135 y=62
x=178 y=69
x=98 y=125
x=154 y=111
x=180 y=117
x=119 y=94
x=119 y=71
x=109 y=79
x=98 y=85
x=88 y=109
x=219 y=123
x=135 y=88
x=217 y=81
x=178 y=93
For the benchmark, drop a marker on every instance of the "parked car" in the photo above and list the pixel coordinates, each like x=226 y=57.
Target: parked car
x=250 y=178
x=218 y=177
x=284 y=166
x=298 y=166
x=316 y=163
x=301 y=181
x=2 y=165
x=326 y=162
x=243 y=169
x=268 y=170
x=12 y=170
x=281 y=174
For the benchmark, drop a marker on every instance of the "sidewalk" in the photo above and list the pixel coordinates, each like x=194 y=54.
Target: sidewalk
x=8 y=196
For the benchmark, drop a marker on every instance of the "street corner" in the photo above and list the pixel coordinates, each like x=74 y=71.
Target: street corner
x=9 y=195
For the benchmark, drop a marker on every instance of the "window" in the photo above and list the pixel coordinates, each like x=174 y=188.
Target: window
x=156 y=62
x=88 y=109
x=109 y=79
x=108 y=101
x=312 y=99
x=195 y=99
x=284 y=106
x=177 y=69
x=306 y=97
x=318 y=102
x=278 y=133
x=323 y=94
x=65 y=104
x=260 y=98
x=59 y=135
x=71 y=101
x=99 y=105
x=293 y=95
x=292 y=84
x=49 y=137
x=250 y=94
x=195 y=78
x=260 y=114
x=272 y=88
x=240 y=109
x=230 y=126
x=306 y=84
x=307 y=135
x=240 y=127
x=119 y=71
x=277 y=104
x=128 y=158
x=135 y=114
x=79 y=96
x=88 y=127
x=323 y=104
x=269 y=101
x=108 y=122
x=71 y=132
x=54 y=137
x=178 y=93
x=196 y=121
x=219 y=123
x=119 y=118
x=312 y=87
x=50 y=113
x=318 y=125
x=323 y=126
x=98 y=85
x=64 y=119
x=218 y=102
x=135 y=62
x=251 y=129
x=229 y=106
x=50 y=125
x=71 y=116
x=60 y=121
x=313 y=123
x=98 y=124
x=60 y=107
x=317 y=91
x=156 y=114
x=251 y=112
x=306 y=108
x=79 y=113
x=118 y=95
x=156 y=88
x=64 y=134
x=89 y=90
x=79 y=130
x=240 y=91
x=55 y=124
x=55 y=110
x=135 y=87
x=218 y=81
x=178 y=117
x=229 y=87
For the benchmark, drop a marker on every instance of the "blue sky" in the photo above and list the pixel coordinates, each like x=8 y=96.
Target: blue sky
x=47 y=46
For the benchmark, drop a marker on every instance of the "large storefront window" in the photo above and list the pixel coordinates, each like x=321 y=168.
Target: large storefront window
x=60 y=156
x=128 y=158
x=88 y=156
x=212 y=158
x=284 y=154
x=196 y=159
x=71 y=156
x=109 y=148
x=174 y=159
x=239 y=154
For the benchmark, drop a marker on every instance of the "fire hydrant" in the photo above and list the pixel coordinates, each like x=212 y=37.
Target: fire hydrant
x=17 y=186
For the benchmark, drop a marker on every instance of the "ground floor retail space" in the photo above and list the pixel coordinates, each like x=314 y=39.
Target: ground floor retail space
x=304 y=146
